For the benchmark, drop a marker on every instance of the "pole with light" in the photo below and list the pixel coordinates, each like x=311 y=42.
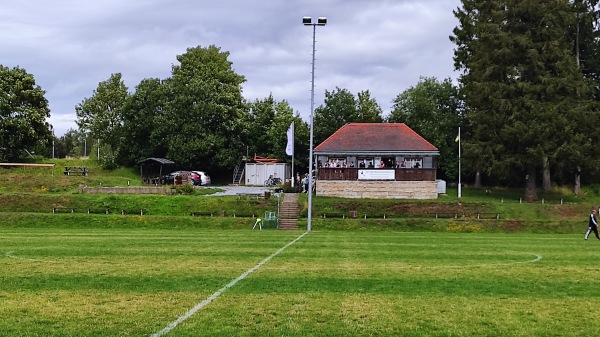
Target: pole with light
x=307 y=21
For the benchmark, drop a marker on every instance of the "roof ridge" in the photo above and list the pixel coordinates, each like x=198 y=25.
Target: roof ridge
x=375 y=137
x=333 y=134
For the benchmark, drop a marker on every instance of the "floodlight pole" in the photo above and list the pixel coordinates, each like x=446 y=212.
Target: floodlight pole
x=307 y=21
x=459 y=182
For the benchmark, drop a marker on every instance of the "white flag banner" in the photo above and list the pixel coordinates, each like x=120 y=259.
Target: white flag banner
x=289 y=149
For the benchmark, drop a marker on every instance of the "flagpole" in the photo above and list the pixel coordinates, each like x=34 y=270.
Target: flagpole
x=459 y=182
x=293 y=136
x=289 y=148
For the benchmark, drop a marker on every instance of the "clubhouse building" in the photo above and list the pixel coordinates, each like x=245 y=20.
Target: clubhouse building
x=376 y=160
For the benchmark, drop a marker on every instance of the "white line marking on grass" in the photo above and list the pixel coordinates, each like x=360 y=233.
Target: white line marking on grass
x=537 y=258
x=10 y=255
x=204 y=303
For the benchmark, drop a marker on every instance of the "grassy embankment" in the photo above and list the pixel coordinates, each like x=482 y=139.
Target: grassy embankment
x=28 y=195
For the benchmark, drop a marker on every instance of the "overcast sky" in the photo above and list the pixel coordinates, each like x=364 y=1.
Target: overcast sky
x=383 y=46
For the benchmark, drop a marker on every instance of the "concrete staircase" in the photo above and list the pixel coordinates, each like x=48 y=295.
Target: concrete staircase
x=288 y=212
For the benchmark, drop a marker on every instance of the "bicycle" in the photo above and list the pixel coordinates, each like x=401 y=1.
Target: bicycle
x=272 y=181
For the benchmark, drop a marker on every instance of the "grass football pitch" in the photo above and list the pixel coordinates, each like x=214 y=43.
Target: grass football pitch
x=189 y=282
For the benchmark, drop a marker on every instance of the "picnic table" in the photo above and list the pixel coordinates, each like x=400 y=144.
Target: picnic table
x=151 y=180
x=76 y=170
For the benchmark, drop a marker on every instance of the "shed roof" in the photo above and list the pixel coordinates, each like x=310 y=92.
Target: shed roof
x=376 y=138
x=156 y=160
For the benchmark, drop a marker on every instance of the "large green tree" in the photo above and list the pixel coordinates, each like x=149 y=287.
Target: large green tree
x=101 y=115
x=585 y=34
x=143 y=117
x=367 y=109
x=260 y=120
x=204 y=111
x=434 y=110
x=267 y=125
x=521 y=84
x=23 y=113
x=342 y=107
x=277 y=134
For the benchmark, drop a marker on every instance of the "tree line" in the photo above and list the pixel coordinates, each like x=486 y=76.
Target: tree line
x=199 y=119
x=529 y=80
x=526 y=100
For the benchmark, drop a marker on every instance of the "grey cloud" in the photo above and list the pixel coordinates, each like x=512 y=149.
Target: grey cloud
x=379 y=45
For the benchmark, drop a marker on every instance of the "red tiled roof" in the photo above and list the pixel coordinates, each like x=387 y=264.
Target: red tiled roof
x=375 y=137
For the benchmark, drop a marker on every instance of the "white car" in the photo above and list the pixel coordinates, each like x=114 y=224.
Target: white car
x=204 y=178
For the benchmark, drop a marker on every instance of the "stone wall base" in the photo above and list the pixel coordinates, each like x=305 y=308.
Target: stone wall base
x=125 y=190
x=377 y=189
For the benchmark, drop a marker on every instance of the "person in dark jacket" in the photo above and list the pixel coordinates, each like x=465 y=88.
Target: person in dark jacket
x=593 y=226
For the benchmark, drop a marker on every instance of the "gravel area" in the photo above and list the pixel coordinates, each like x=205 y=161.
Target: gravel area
x=234 y=190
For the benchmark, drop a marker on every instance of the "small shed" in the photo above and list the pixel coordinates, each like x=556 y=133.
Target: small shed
x=258 y=173
x=151 y=169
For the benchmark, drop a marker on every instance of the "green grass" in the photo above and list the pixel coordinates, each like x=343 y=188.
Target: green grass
x=96 y=281
x=177 y=205
x=28 y=189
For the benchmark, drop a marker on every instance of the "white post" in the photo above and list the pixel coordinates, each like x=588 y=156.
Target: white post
x=459 y=182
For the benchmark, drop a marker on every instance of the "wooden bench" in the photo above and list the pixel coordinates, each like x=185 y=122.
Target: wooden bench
x=73 y=170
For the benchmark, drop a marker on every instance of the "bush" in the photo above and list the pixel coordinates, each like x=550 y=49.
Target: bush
x=185 y=189
x=108 y=162
x=287 y=188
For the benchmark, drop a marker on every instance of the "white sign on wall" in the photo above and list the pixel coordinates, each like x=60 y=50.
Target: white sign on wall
x=381 y=174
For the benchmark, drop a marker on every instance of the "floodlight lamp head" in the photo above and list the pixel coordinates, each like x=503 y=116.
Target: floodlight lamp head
x=307 y=20
x=322 y=21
